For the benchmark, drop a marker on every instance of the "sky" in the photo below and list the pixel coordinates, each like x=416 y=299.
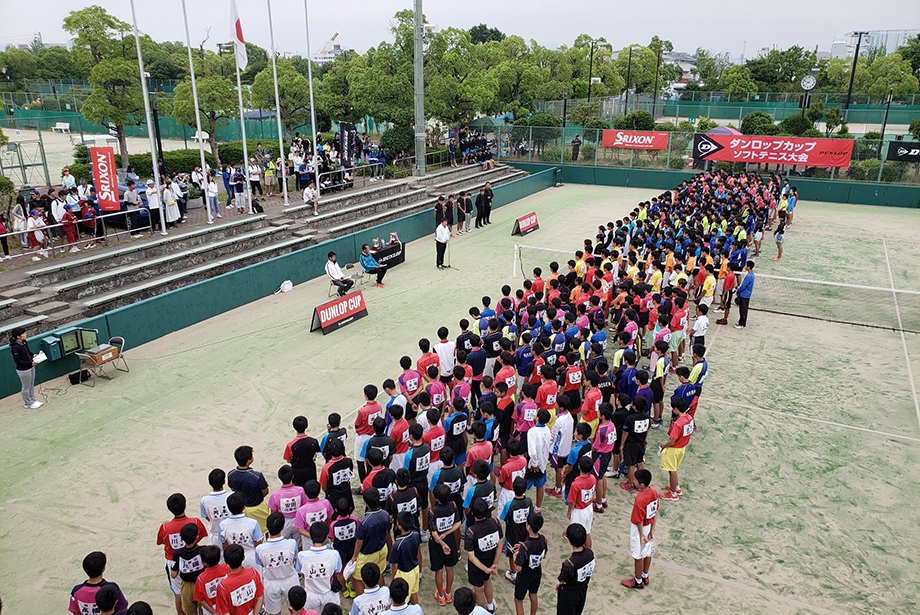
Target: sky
x=718 y=25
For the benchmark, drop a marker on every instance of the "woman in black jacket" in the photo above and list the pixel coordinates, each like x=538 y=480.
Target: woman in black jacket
x=25 y=366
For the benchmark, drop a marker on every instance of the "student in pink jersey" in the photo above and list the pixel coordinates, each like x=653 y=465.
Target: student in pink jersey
x=312 y=511
x=83 y=596
x=410 y=384
x=287 y=500
x=461 y=389
x=525 y=413
x=364 y=425
x=601 y=451
x=436 y=389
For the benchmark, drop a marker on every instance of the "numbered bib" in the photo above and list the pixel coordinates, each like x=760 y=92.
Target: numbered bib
x=438 y=443
x=175 y=541
x=511 y=382
x=218 y=512
x=458 y=428
x=346 y=531
x=651 y=509
x=585 y=572
x=641 y=426
x=410 y=507
x=343 y=476
x=187 y=566
x=437 y=399
x=496 y=346
x=534 y=561
x=519 y=516
x=488 y=542
x=611 y=436
x=530 y=414
x=454 y=486
x=422 y=463
x=243 y=594
x=587 y=495
x=412 y=384
x=551 y=399
x=316 y=570
x=575 y=377
x=444 y=523
x=289 y=505
x=688 y=428
x=210 y=588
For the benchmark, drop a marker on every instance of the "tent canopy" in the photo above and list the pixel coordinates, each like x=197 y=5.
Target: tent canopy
x=723 y=130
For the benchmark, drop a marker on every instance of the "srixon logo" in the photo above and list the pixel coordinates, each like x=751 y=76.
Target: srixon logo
x=105 y=179
x=624 y=138
x=104 y=190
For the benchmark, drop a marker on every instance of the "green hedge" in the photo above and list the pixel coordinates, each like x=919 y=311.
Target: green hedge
x=231 y=152
x=181 y=160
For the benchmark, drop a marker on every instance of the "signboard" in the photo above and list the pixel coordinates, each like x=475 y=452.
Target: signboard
x=390 y=255
x=525 y=224
x=105 y=178
x=774 y=150
x=634 y=139
x=904 y=151
x=339 y=312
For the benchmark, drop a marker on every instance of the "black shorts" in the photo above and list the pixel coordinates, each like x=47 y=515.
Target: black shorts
x=438 y=560
x=601 y=463
x=643 y=319
x=574 y=397
x=475 y=576
x=634 y=453
x=421 y=490
x=527 y=583
x=571 y=600
x=616 y=445
x=447 y=379
x=657 y=392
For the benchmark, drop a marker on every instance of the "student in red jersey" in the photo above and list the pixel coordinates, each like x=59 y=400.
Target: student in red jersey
x=399 y=432
x=642 y=531
x=301 y=453
x=546 y=393
x=592 y=402
x=364 y=425
x=507 y=373
x=515 y=466
x=410 y=384
x=427 y=359
x=206 y=583
x=169 y=536
x=539 y=285
x=481 y=449
x=672 y=451
x=581 y=496
x=435 y=438
x=572 y=377
x=240 y=592
x=83 y=596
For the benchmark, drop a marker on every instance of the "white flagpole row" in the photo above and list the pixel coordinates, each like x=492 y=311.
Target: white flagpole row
x=153 y=144
x=281 y=169
x=200 y=135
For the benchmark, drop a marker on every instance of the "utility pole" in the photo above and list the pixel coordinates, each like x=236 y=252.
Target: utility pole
x=591 y=71
x=655 y=95
x=859 y=34
x=419 y=77
x=628 y=72
x=565 y=105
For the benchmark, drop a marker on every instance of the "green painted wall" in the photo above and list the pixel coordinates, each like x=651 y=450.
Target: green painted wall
x=152 y=318
x=888 y=195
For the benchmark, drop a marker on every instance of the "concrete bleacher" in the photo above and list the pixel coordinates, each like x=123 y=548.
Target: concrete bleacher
x=67 y=288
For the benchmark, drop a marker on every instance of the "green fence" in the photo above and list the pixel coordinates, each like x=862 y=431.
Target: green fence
x=152 y=318
x=886 y=195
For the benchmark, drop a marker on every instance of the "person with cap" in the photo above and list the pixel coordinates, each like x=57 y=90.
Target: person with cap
x=83 y=189
x=576 y=146
x=69 y=220
x=57 y=211
x=37 y=236
x=255 y=176
x=25 y=367
x=153 y=205
x=67 y=180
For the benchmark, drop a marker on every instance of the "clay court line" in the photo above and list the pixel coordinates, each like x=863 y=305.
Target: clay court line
x=897 y=310
x=814 y=420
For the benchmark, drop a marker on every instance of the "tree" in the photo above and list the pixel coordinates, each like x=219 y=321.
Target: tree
x=258 y=61
x=544 y=127
x=781 y=70
x=335 y=93
x=593 y=129
x=293 y=94
x=641 y=69
x=116 y=99
x=636 y=120
x=892 y=72
x=398 y=141
x=217 y=102
x=585 y=112
x=709 y=68
x=57 y=63
x=756 y=123
x=518 y=75
x=737 y=80
x=914 y=128
x=99 y=35
x=833 y=118
x=483 y=34
x=19 y=64
x=910 y=51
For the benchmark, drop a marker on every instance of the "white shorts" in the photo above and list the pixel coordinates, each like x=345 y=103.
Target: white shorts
x=583 y=517
x=719 y=286
x=360 y=440
x=316 y=602
x=707 y=301
x=175 y=585
x=504 y=496
x=490 y=367
x=398 y=460
x=249 y=560
x=433 y=467
x=290 y=531
x=637 y=551
x=276 y=592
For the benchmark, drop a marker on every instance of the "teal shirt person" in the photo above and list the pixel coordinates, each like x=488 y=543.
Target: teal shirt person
x=368 y=262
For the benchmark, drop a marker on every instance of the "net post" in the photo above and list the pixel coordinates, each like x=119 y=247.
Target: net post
x=514 y=263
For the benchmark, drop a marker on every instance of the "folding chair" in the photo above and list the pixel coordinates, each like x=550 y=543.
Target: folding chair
x=119 y=342
x=355 y=272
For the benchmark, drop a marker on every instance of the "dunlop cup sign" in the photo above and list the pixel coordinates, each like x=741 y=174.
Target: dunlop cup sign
x=339 y=312
x=634 y=139
x=105 y=178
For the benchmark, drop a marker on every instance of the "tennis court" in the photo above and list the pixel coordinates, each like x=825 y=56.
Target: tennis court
x=800 y=490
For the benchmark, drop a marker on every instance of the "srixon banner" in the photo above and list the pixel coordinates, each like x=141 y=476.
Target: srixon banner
x=904 y=151
x=634 y=139
x=774 y=150
x=105 y=178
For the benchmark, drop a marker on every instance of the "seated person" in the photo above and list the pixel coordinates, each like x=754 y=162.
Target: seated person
x=371 y=266
x=338 y=278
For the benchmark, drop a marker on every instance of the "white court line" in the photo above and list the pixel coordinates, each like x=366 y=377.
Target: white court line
x=910 y=371
x=814 y=420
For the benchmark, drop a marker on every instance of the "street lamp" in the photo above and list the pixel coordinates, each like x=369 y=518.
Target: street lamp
x=565 y=105
x=628 y=74
x=859 y=34
x=594 y=42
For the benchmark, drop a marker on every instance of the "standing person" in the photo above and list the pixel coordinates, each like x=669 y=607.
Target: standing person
x=83 y=596
x=68 y=181
x=277 y=557
x=642 y=530
x=239 y=188
x=576 y=146
x=481 y=204
x=255 y=176
x=287 y=500
x=528 y=564
x=487 y=191
x=310 y=197
x=791 y=200
x=319 y=564
x=157 y=221
x=188 y=566
x=481 y=542
x=226 y=174
x=251 y=483
x=301 y=453
x=336 y=276
x=576 y=573
x=270 y=177
x=241 y=591
x=198 y=179
x=171 y=208
x=25 y=367
x=672 y=451
x=373 y=541
x=212 y=195
x=581 y=496
x=371 y=266
x=778 y=236
x=461 y=214
x=170 y=536
x=37 y=236
x=745 y=289
x=442 y=236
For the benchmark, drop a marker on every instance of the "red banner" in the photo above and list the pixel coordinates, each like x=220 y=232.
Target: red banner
x=105 y=178
x=775 y=150
x=339 y=312
x=634 y=139
x=525 y=224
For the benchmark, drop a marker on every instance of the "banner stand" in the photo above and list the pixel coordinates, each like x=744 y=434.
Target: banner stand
x=339 y=312
x=525 y=224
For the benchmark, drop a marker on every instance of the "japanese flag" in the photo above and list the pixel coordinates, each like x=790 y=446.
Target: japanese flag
x=239 y=45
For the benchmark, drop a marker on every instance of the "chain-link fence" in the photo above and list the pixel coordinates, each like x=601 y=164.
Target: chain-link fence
x=549 y=145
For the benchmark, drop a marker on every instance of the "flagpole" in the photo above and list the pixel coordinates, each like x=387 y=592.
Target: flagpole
x=200 y=135
x=153 y=144
x=306 y=21
x=238 y=40
x=271 y=35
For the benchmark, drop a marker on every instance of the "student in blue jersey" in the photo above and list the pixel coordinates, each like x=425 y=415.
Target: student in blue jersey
x=455 y=430
x=626 y=380
x=659 y=377
x=745 y=290
x=405 y=554
x=698 y=375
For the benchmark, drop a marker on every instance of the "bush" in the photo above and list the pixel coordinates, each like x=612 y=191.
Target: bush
x=231 y=152
x=813 y=133
x=795 y=124
x=180 y=160
x=636 y=120
x=398 y=141
x=586 y=155
x=677 y=163
x=592 y=129
x=755 y=123
x=551 y=153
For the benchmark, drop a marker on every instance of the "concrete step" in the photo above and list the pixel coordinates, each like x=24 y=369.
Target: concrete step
x=362 y=210
x=282 y=222
x=47 y=308
x=340 y=200
x=451 y=174
x=62 y=317
x=20 y=293
x=30 y=323
x=477 y=180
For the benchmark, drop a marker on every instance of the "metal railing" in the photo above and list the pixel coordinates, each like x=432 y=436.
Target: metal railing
x=56 y=237
x=547 y=145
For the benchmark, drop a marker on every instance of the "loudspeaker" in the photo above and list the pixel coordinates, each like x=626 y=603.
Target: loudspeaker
x=78 y=377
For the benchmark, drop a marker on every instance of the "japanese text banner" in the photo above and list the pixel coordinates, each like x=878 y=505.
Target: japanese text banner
x=774 y=150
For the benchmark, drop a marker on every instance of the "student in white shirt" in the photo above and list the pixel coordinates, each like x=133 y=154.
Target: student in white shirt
x=212 y=195
x=214 y=506
x=318 y=565
x=441 y=236
x=278 y=558
x=238 y=529
x=375 y=599
x=153 y=205
x=701 y=326
x=445 y=349
x=310 y=197
x=336 y=276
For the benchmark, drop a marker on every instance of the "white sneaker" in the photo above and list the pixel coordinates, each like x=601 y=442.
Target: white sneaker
x=510 y=576
x=74 y=250
x=219 y=216
x=210 y=221
x=36 y=404
x=229 y=206
x=425 y=536
x=36 y=258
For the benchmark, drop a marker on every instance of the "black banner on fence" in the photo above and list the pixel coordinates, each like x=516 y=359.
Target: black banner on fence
x=904 y=151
